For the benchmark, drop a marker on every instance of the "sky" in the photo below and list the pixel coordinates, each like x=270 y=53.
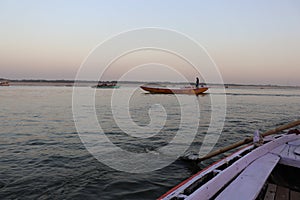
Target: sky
x=251 y=41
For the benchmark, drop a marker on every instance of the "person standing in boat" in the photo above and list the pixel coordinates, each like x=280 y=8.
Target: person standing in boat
x=197 y=82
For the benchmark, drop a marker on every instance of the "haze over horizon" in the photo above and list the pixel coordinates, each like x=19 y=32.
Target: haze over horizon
x=252 y=42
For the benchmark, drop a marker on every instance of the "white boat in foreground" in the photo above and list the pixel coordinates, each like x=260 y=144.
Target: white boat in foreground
x=270 y=171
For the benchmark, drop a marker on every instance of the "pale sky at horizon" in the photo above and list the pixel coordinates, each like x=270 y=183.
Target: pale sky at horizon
x=252 y=42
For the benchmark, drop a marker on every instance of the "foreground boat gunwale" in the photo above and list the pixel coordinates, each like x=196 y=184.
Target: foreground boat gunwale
x=189 y=181
x=216 y=184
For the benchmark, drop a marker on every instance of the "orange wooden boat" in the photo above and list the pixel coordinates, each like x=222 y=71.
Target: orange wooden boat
x=189 y=90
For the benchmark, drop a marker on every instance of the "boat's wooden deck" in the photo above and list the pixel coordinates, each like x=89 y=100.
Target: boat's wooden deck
x=276 y=192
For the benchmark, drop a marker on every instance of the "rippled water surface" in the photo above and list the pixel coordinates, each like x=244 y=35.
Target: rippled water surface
x=43 y=157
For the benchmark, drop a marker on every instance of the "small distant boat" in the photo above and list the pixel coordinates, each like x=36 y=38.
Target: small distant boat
x=187 y=90
x=106 y=84
x=4 y=83
x=269 y=171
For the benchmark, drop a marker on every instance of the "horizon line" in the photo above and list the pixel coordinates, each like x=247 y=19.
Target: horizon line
x=132 y=81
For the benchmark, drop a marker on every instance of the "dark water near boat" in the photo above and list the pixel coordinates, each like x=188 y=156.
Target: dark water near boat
x=42 y=156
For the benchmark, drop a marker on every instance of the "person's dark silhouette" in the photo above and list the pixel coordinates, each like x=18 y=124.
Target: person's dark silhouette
x=197 y=82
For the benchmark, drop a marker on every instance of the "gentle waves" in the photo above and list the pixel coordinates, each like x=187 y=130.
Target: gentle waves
x=42 y=156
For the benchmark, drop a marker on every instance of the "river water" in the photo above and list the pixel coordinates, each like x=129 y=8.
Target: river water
x=43 y=157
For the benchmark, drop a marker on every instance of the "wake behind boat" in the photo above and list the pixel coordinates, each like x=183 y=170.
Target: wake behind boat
x=187 y=90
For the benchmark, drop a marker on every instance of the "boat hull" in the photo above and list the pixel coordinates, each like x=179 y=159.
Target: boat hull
x=4 y=83
x=194 y=91
x=106 y=87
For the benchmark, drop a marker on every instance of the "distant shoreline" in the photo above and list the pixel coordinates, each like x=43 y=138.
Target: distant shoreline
x=70 y=83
